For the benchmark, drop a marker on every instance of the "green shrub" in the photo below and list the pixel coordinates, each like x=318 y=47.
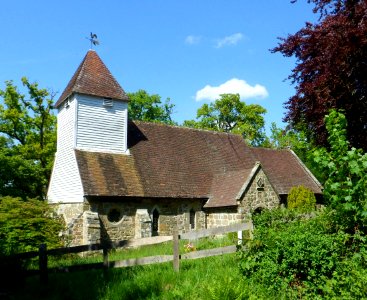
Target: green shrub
x=349 y=279
x=301 y=198
x=24 y=225
x=292 y=254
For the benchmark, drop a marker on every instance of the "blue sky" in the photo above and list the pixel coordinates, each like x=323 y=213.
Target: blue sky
x=188 y=50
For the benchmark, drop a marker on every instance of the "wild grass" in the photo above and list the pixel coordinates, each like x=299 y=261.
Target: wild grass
x=208 y=278
x=144 y=251
x=198 y=279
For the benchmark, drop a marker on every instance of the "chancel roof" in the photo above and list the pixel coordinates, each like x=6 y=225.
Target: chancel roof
x=285 y=170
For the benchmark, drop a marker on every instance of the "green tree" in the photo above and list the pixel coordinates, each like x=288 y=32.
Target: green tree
x=346 y=185
x=230 y=114
x=330 y=70
x=288 y=137
x=27 y=141
x=282 y=138
x=145 y=107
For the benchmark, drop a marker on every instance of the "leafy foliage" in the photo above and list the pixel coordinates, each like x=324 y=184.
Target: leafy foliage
x=27 y=140
x=297 y=141
x=281 y=138
x=145 y=107
x=323 y=254
x=346 y=185
x=349 y=279
x=24 y=225
x=230 y=114
x=292 y=254
x=301 y=198
x=330 y=71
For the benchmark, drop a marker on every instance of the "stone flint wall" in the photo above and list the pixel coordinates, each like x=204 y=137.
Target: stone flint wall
x=119 y=219
x=257 y=197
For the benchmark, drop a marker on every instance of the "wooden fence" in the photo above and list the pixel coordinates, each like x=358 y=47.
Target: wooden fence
x=43 y=252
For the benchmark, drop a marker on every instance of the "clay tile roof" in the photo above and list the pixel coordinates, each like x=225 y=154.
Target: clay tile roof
x=93 y=78
x=165 y=161
x=107 y=174
x=177 y=162
x=225 y=188
x=285 y=170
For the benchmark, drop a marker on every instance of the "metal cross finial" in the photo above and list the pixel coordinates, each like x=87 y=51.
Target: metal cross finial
x=93 y=40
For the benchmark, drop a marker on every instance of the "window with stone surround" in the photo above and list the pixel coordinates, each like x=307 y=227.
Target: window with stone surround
x=114 y=215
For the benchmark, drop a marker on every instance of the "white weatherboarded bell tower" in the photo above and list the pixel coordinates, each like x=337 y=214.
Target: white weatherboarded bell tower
x=92 y=116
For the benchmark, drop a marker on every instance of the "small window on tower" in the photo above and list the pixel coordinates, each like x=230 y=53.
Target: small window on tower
x=107 y=102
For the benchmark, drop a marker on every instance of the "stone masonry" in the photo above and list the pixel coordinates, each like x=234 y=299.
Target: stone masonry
x=118 y=219
x=259 y=195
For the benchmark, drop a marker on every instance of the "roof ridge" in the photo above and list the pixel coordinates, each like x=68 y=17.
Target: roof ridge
x=188 y=128
x=307 y=170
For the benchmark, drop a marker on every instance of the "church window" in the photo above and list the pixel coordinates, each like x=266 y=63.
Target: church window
x=114 y=215
x=260 y=183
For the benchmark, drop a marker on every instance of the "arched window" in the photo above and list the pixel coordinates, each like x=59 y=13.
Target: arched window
x=192 y=219
x=155 y=222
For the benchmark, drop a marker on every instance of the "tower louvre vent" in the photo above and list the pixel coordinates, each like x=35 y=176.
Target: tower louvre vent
x=107 y=102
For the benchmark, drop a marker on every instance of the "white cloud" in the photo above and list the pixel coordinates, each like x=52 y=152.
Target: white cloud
x=192 y=39
x=229 y=40
x=232 y=86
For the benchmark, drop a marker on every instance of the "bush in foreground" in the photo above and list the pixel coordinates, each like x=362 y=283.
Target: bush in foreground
x=24 y=225
x=294 y=255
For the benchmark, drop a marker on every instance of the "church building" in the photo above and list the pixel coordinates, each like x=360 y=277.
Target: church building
x=117 y=179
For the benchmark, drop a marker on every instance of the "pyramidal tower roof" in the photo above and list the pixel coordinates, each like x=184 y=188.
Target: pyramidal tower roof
x=93 y=78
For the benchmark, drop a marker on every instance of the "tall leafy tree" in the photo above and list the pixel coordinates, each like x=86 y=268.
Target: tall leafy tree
x=346 y=166
x=27 y=141
x=281 y=138
x=230 y=114
x=330 y=70
x=289 y=138
x=145 y=107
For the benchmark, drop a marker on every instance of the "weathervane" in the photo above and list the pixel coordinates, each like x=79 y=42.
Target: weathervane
x=93 y=40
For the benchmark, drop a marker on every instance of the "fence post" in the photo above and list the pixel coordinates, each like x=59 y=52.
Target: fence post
x=239 y=237
x=42 y=255
x=105 y=257
x=176 y=251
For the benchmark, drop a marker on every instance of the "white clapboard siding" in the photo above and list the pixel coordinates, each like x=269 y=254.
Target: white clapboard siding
x=65 y=185
x=101 y=128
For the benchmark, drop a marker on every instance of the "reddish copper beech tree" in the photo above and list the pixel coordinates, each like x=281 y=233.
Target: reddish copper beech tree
x=330 y=71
